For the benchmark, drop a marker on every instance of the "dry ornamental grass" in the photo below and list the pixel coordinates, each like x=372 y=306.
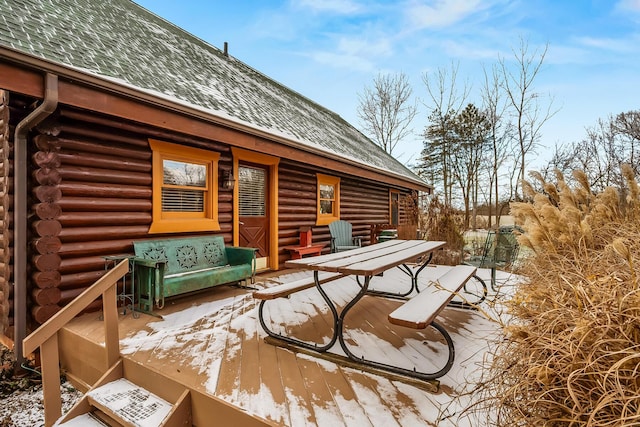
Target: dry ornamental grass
x=570 y=355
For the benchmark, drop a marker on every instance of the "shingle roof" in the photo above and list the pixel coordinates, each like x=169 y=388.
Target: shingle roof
x=120 y=40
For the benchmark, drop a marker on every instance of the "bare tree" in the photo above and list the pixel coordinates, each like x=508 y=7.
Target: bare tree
x=563 y=159
x=386 y=110
x=628 y=124
x=499 y=135
x=446 y=103
x=600 y=154
x=530 y=115
x=607 y=145
x=627 y=128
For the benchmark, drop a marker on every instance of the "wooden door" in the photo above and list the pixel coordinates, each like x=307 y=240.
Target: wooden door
x=253 y=208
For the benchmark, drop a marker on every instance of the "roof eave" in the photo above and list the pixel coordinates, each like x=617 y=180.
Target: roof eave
x=132 y=92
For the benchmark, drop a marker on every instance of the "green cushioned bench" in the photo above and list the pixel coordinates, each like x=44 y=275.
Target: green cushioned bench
x=169 y=267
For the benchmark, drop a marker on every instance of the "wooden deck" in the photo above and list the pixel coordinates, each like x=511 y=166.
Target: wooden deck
x=212 y=342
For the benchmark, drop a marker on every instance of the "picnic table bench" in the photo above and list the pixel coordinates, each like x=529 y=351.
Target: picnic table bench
x=417 y=312
x=285 y=290
x=421 y=310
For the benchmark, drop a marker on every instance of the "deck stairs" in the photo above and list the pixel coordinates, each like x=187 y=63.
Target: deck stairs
x=128 y=396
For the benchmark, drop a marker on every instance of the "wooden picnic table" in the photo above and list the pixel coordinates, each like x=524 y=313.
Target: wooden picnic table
x=417 y=312
x=373 y=260
x=370 y=261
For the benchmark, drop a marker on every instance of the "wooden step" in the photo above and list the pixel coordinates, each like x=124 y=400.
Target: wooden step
x=122 y=403
x=123 y=400
x=84 y=420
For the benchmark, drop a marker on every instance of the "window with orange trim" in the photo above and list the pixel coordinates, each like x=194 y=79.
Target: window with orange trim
x=328 y=199
x=185 y=188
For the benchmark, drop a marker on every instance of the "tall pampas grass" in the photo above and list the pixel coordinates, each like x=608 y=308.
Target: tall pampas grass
x=570 y=353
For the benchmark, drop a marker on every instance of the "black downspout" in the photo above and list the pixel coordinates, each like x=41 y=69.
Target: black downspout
x=20 y=211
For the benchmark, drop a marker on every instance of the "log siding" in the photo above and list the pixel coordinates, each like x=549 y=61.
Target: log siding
x=6 y=298
x=92 y=181
x=362 y=202
x=91 y=188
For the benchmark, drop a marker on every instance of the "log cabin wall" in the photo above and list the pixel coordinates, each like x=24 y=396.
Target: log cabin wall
x=92 y=189
x=363 y=203
x=91 y=196
x=6 y=301
x=13 y=109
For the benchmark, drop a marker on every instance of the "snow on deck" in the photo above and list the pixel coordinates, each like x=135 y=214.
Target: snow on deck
x=222 y=344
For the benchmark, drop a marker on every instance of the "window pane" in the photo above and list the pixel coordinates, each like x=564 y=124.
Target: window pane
x=327 y=191
x=252 y=182
x=326 y=207
x=178 y=200
x=182 y=173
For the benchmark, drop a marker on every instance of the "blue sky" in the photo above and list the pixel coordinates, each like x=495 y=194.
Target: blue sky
x=330 y=50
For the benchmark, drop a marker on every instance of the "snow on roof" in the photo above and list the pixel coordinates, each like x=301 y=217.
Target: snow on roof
x=121 y=41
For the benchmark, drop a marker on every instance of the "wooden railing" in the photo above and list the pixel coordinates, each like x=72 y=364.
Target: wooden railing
x=46 y=336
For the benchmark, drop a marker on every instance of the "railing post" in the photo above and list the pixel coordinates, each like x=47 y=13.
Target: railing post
x=50 y=364
x=110 y=315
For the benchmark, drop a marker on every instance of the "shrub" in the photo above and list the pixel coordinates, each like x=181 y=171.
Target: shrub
x=570 y=354
x=443 y=223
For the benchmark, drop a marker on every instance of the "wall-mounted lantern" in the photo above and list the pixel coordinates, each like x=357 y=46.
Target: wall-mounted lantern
x=226 y=179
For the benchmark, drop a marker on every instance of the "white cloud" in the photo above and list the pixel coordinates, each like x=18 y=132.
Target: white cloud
x=628 y=10
x=629 y=5
x=626 y=45
x=468 y=51
x=568 y=54
x=381 y=47
x=354 y=53
x=342 y=7
x=342 y=60
x=442 y=13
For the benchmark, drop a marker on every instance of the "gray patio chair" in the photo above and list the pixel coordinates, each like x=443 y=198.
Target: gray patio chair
x=342 y=238
x=500 y=251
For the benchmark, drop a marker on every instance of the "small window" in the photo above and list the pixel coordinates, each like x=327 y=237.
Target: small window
x=185 y=196
x=328 y=199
